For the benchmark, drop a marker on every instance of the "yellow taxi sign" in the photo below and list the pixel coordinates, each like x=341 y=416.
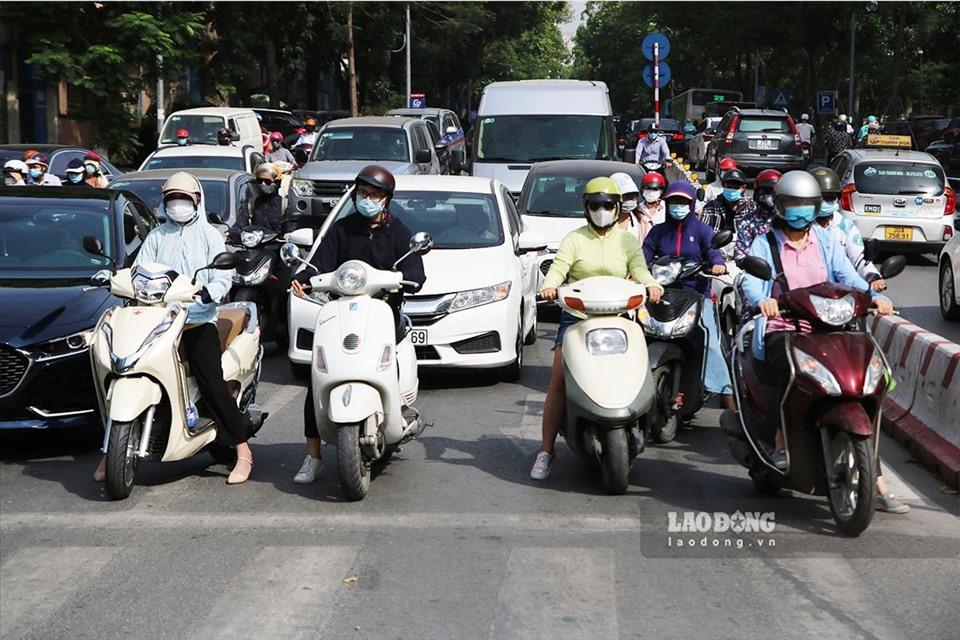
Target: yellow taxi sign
x=878 y=140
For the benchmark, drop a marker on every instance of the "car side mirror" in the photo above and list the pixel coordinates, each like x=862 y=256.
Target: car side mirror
x=758 y=268
x=440 y=147
x=893 y=266
x=301 y=237
x=100 y=278
x=214 y=218
x=721 y=239
x=450 y=131
x=300 y=156
x=530 y=241
x=92 y=244
x=423 y=156
x=421 y=243
x=235 y=136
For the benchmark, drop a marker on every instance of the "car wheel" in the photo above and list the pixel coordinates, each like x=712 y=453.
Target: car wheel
x=531 y=337
x=513 y=371
x=948 y=293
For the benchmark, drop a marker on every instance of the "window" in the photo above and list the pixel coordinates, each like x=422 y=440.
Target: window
x=899 y=178
x=203 y=129
x=447 y=123
x=534 y=138
x=420 y=137
x=46 y=234
x=556 y=196
x=756 y=124
x=513 y=217
x=60 y=160
x=839 y=165
x=195 y=162
x=362 y=143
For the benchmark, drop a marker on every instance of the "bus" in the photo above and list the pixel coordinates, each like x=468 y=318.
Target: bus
x=690 y=104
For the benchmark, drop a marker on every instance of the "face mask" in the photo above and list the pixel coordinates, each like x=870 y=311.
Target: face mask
x=603 y=218
x=182 y=142
x=75 y=178
x=732 y=194
x=799 y=218
x=180 y=210
x=678 y=211
x=629 y=205
x=369 y=208
x=268 y=189
x=827 y=209
x=35 y=173
x=9 y=180
x=653 y=136
x=89 y=169
x=651 y=195
x=275 y=144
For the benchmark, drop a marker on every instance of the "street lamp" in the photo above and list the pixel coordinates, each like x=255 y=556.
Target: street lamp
x=920 y=51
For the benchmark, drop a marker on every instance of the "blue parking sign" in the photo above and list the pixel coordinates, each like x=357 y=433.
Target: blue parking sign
x=418 y=101
x=826 y=102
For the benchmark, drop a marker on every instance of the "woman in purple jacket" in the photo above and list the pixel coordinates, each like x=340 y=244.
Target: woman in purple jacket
x=683 y=234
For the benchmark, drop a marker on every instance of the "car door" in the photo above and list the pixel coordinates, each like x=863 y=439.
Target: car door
x=451 y=131
x=527 y=261
x=442 y=151
x=421 y=140
x=241 y=198
x=137 y=224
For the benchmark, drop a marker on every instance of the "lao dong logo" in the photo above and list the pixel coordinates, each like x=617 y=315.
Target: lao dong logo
x=720 y=522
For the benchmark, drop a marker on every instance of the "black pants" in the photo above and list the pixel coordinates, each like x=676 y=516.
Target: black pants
x=202 y=346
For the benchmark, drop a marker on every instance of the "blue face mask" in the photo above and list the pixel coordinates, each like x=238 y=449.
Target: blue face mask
x=369 y=208
x=182 y=142
x=678 y=211
x=732 y=194
x=75 y=178
x=799 y=218
x=653 y=136
x=89 y=169
x=35 y=173
x=827 y=209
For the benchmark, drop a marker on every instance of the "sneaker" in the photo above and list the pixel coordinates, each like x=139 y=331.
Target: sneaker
x=309 y=470
x=779 y=459
x=889 y=503
x=541 y=466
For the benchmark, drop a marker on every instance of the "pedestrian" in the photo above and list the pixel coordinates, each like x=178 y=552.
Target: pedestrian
x=15 y=173
x=75 y=173
x=37 y=174
x=93 y=171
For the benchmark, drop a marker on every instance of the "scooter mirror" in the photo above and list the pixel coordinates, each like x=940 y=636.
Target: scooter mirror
x=701 y=194
x=92 y=244
x=224 y=261
x=100 y=278
x=893 y=266
x=421 y=242
x=758 y=268
x=721 y=239
x=289 y=254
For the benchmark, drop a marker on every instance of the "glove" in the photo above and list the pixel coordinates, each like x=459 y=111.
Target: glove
x=205 y=296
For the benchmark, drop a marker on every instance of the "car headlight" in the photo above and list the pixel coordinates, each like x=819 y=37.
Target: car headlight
x=150 y=288
x=303 y=188
x=665 y=273
x=810 y=366
x=835 y=311
x=62 y=347
x=258 y=276
x=606 y=342
x=875 y=373
x=120 y=365
x=350 y=277
x=251 y=239
x=478 y=297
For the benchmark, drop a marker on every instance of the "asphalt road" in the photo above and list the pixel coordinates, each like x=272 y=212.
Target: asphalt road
x=915 y=293
x=455 y=541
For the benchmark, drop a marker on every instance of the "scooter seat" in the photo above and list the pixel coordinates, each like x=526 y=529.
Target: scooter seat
x=230 y=324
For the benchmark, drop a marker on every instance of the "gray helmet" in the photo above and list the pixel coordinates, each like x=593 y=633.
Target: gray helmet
x=796 y=188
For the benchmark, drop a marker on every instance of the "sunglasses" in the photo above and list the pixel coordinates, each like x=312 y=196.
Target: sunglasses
x=266 y=181
x=596 y=206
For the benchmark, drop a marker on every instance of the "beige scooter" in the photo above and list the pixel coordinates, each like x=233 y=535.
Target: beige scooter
x=144 y=386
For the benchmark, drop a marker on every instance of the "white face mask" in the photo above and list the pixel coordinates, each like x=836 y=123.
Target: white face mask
x=180 y=210
x=629 y=205
x=603 y=218
x=651 y=195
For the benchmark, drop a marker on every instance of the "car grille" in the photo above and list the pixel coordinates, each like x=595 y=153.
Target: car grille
x=545 y=266
x=426 y=353
x=425 y=320
x=329 y=189
x=13 y=365
x=486 y=343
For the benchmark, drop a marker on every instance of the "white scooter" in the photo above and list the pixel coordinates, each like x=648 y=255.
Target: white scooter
x=364 y=382
x=725 y=290
x=609 y=388
x=144 y=389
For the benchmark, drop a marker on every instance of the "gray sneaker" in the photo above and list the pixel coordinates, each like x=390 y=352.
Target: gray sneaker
x=309 y=470
x=541 y=466
x=889 y=503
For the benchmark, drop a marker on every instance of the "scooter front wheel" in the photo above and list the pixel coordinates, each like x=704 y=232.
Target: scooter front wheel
x=852 y=498
x=352 y=468
x=664 y=422
x=122 y=459
x=615 y=462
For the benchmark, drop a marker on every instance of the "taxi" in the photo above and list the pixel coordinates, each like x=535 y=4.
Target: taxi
x=899 y=199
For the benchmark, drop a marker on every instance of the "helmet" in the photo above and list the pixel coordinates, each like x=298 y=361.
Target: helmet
x=92 y=155
x=843 y=117
x=728 y=163
x=75 y=166
x=625 y=183
x=29 y=153
x=804 y=116
x=796 y=188
x=601 y=190
x=871 y=119
x=38 y=159
x=653 y=126
x=276 y=135
x=310 y=122
x=733 y=175
x=766 y=178
x=652 y=178
x=17 y=166
x=183 y=133
x=267 y=167
x=182 y=184
x=684 y=190
x=376 y=176
x=828 y=180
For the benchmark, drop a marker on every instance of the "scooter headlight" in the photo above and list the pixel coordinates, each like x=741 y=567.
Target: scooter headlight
x=251 y=239
x=875 y=373
x=121 y=365
x=810 y=366
x=150 y=287
x=351 y=277
x=665 y=274
x=606 y=342
x=258 y=276
x=835 y=311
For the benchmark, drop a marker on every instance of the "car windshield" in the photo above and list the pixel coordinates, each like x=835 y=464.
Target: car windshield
x=214 y=193
x=47 y=235
x=899 y=178
x=666 y=124
x=362 y=143
x=195 y=162
x=454 y=220
x=538 y=138
x=202 y=129
x=757 y=124
x=555 y=196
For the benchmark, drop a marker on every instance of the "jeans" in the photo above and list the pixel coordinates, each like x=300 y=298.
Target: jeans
x=717 y=375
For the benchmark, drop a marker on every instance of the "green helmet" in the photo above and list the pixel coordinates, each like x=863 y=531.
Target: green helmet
x=828 y=179
x=601 y=189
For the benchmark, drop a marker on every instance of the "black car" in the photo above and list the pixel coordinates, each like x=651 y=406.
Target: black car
x=48 y=308
x=58 y=155
x=278 y=120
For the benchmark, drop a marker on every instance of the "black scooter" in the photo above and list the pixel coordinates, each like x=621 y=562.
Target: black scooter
x=262 y=278
x=676 y=342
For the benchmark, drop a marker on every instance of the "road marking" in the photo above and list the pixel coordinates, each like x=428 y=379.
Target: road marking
x=297 y=585
x=39 y=581
x=556 y=593
x=279 y=400
x=527 y=436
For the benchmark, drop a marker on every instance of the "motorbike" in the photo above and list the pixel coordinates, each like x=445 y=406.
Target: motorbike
x=655 y=167
x=830 y=412
x=805 y=148
x=145 y=390
x=677 y=342
x=263 y=279
x=604 y=421
x=364 y=369
x=725 y=290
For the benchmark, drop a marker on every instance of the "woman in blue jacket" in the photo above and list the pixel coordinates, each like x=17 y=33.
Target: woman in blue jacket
x=683 y=234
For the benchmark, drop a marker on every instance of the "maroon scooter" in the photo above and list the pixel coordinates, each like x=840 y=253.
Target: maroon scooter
x=830 y=412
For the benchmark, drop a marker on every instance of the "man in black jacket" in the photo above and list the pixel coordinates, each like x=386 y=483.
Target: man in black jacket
x=374 y=236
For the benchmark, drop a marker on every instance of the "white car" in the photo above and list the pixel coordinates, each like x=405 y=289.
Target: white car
x=949 y=269
x=477 y=307
x=697 y=146
x=207 y=156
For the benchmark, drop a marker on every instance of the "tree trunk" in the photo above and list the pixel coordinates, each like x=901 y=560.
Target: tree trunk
x=273 y=82
x=351 y=60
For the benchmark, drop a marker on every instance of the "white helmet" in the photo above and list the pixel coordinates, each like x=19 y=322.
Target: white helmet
x=179 y=187
x=804 y=117
x=625 y=183
x=843 y=117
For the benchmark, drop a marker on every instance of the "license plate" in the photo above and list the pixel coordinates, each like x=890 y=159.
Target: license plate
x=418 y=337
x=899 y=233
x=766 y=145
x=871 y=208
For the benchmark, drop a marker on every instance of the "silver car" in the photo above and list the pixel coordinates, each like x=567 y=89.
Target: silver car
x=899 y=200
x=403 y=146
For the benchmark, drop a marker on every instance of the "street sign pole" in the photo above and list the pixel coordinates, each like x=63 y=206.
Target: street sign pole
x=656 y=84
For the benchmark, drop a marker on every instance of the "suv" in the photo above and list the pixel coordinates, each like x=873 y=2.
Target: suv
x=757 y=139
x=404 y=146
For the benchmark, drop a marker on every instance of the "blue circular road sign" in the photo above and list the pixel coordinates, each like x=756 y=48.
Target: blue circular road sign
x=658 y=38
x=664 y=74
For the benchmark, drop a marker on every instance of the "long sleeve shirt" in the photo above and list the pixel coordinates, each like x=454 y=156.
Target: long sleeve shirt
x=584 y=253
x=689 y=238
x=652 y=150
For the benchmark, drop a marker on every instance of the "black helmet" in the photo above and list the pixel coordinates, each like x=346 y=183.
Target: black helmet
x=828 y=179
x=733 y=175
x=377 y=177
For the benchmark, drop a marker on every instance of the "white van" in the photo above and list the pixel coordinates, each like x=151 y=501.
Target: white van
x=520 y=123
x=204 y=122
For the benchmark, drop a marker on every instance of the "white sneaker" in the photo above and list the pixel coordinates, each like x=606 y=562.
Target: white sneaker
x=309 y=470
x=541 y=466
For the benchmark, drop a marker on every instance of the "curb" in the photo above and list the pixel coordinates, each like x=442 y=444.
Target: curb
x=924 y=443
